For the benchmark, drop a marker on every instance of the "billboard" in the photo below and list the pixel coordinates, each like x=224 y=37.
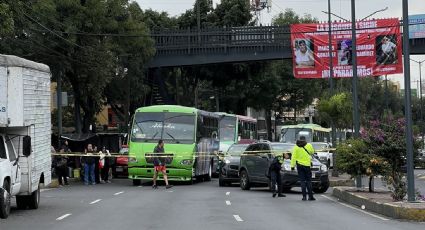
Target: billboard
x=379 y=49
x=417 y=26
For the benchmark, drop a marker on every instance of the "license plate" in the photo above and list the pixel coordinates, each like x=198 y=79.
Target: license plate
x=313 y=175
x=119 y=169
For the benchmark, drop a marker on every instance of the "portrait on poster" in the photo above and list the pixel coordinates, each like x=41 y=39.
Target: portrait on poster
x=344 y=52
x=304 y=53
x=386 y=49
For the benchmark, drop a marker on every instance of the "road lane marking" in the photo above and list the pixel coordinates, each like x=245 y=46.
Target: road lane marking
x=64 y=216
x=227 y=193
x=116 y=194
x=238 y=218
x=355 y=208
x=228 y=202
x=45 y=189
x=94 y=202
x=139 y=186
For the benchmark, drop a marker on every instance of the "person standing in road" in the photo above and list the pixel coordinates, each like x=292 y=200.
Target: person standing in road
x=301 y=157
x=89 y=166
x=276 y=178
x=61 y=168
x=105 y=157
x=159 y=165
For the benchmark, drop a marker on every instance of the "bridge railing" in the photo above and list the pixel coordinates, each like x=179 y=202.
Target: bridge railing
x=212 y=40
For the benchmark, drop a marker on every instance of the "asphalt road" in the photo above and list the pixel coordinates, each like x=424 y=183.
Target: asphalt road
x=121 y=206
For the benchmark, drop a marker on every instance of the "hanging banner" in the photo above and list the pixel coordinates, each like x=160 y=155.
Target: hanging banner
x=379 y=49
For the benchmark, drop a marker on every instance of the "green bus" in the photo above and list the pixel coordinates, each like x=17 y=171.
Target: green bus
x=235 y=129
x=312 y=132
x=191 y=142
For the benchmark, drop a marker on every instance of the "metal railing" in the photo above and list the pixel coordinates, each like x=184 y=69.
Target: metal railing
x=219 y=40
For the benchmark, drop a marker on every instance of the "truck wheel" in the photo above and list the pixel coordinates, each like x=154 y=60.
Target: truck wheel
x=34 y=198
x=5 y=198
x=244 y=181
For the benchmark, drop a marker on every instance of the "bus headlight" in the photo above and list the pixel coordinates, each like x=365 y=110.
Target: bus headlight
x=132 y=160
x=323 y=168
x=186 y=162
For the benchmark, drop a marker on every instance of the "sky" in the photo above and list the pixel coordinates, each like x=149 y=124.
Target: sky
x=315 y=8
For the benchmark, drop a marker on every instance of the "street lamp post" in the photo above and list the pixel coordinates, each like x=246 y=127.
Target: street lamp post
x=408 y=109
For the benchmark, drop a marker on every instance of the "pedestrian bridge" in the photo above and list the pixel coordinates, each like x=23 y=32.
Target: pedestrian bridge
x=227 y=45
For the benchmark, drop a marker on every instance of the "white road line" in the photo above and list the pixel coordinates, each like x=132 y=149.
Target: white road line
x=94 y=202
x=139 y=186
x=116 y=194
x=228 y=202
x=227 y=193
x=238 y=218
x=45 y=189
x=63 y=217
x=355 y=208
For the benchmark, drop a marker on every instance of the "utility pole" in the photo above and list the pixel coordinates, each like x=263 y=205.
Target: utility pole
x=419 y=89
x=408 y=108
x=59 y=106
x=331 y=84
x=386 y=93
x=198 y=19
x=355 y=97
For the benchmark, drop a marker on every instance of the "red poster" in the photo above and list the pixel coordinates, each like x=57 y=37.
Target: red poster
x=379 y=49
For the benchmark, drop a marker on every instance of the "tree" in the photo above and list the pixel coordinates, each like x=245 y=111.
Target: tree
x=338 y=109
x=6 y=20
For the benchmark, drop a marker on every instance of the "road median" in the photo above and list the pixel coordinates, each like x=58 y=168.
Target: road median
x=381 y=202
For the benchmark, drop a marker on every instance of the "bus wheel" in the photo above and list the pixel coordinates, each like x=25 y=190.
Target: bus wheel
x=209 y=175
x=137 y=182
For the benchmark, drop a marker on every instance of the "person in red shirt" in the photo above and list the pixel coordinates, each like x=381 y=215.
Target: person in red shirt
x=159 y=165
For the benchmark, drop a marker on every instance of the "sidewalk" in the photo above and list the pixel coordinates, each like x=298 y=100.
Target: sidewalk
x=381 y=202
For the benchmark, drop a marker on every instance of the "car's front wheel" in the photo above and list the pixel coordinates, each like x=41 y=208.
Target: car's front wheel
x=5 y=198
x=321 y=189
x=244 y=180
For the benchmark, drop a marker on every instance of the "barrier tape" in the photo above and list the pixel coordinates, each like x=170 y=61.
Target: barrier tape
x=159 y=155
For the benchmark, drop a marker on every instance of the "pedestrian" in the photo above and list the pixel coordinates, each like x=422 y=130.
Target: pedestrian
x=159 y=165
x=62 y=168
x=105 y=165
x=97 y=165
x=89 y=166
x=301 y=157
x=276 y=178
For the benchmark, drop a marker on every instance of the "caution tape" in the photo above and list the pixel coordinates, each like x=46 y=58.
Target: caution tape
x=178 y=155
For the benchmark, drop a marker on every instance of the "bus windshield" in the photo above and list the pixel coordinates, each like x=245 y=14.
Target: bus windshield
x=153 y=126
x=291 y=135
x=228 y=129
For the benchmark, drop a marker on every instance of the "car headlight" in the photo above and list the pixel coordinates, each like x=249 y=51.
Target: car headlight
x=323 y=168
x=132 y=160
x=227 y=161
x=186 y=162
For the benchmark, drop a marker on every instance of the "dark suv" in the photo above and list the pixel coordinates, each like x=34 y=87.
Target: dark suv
x=229 y=166
x=255 y=162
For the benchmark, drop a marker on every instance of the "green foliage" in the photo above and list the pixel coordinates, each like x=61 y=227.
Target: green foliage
x=290 y=17
x=338 y=109
x=6 y=20
x=352 y=157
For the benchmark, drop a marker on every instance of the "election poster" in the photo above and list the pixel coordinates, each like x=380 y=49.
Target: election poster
x=379 y=49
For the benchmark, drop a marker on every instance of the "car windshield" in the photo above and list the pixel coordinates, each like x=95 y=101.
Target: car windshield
x=236 y=150
x=228 y=129
x=319 y=146
x=153 y=126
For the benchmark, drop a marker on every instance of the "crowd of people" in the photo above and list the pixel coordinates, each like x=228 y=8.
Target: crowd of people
x=96 y=164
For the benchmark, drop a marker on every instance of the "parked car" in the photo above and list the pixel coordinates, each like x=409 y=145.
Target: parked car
x=322 y=149
x=120 y=168
x=229 y=166
x=255 y=162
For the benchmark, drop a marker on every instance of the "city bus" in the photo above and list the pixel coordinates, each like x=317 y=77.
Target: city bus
x=191 y=142
x=312 y=132
x=235 y=129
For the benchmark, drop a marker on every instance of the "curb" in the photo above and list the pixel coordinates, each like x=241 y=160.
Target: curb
x=385 y=209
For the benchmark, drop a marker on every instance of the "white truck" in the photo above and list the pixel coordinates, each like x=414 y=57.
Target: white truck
x=25 y=132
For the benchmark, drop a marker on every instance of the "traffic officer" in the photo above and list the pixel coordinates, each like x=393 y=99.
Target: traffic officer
x=301 y=157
